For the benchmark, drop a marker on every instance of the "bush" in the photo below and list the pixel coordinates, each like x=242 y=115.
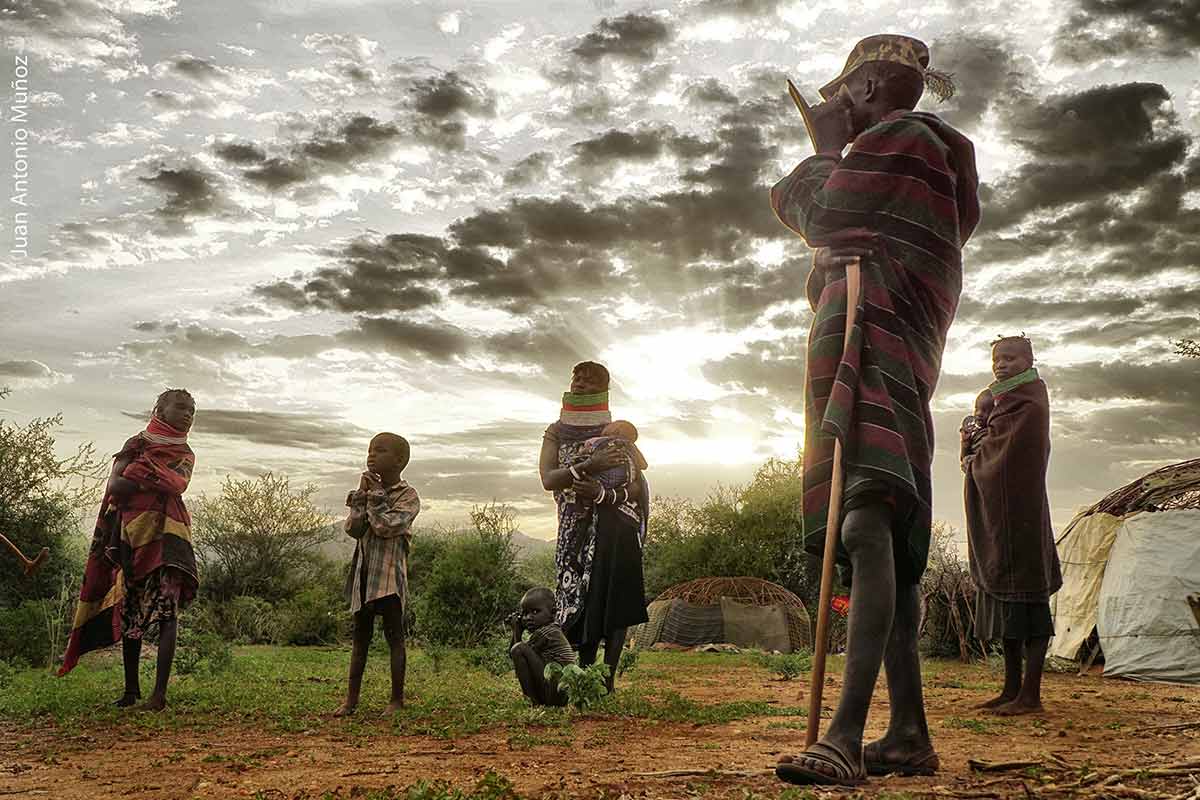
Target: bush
x=947 y=601
x=41 y=498
x=491 y=656
x=313 y=616
x=258 y=538
x=23 y=639
x=201 y=651
x=242 y=620
x=472 y=585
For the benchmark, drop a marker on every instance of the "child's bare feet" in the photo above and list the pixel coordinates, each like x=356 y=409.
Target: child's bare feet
x=1018 y=707
x=346 y=709
x=996 y=702
x=128 y=699
x=394 y=706
x=156 y=703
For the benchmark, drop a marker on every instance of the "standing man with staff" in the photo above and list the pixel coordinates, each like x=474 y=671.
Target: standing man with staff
x=900 y=205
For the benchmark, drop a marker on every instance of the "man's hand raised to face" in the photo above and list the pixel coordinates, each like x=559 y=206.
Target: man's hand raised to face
x=832 y=126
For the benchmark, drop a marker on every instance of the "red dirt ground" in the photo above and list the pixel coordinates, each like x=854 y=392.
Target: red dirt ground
x=1090 y=724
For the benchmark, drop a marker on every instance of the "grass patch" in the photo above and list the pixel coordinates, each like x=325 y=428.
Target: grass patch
x=294 y=689
x=984 y=726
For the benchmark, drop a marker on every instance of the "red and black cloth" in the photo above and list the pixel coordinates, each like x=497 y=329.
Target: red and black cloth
x=907 y=189
x=140 y=542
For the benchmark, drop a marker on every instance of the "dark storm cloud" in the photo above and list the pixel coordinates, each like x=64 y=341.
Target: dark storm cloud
x=739 y=8
x=165 y=100
x=450 y=94
x=710 y=90
x=335 y=148
x=1176 y=381
x=188 y=192
x=437 y=340
x=633 y=37
x=503 y=434
x=1114 y=28
x=198 y=70
x=742 y=291
x=1024 y=310
x=303 y=430
x=986 y=71
x=776 y=366
x=531 y=169
x=240 y=153
x=561 y=247
x=24 y=369
x=1084 y=146
x=643 y=144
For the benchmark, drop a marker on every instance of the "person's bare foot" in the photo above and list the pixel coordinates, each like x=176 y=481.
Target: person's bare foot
x=996 y=702
x=345 y=709
x=155 y=703
x=393 y=707
x=905 y=757
x=1019 y=707
x=128 y=699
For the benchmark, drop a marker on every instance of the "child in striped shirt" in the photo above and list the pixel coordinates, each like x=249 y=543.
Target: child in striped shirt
x=546 y=644
x=382 y=511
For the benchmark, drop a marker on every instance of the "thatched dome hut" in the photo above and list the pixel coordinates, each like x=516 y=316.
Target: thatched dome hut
x=747 y=612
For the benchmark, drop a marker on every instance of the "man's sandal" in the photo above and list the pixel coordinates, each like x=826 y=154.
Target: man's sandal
x=921 y=764
x=819 y=765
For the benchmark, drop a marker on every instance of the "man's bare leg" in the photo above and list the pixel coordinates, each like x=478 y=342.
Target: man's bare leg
x=906 y=744
x=1012 y=676
x=1029 y=699
x=867 y=537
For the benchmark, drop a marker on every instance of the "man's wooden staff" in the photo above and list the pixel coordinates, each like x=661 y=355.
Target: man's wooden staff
x=31 y=566
x=833 y=524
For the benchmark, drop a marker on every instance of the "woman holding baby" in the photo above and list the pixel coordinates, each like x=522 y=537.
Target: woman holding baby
x=595 y=471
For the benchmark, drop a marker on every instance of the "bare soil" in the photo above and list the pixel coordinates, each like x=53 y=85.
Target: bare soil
x=1091 y=729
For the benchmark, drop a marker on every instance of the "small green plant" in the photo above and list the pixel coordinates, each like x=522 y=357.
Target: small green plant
x=629 y=660
x=788 y=666
x=491 y=656
x=583 y=686
x=973 y=725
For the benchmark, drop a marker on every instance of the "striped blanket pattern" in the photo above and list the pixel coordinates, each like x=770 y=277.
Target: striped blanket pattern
x=908 y=189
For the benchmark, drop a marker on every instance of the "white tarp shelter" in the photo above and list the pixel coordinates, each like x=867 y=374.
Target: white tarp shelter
x=1129 y=564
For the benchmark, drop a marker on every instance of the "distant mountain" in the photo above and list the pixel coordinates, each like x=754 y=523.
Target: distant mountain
x=528 y=546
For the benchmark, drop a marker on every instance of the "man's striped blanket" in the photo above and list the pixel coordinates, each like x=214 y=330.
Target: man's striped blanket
x=908 y=189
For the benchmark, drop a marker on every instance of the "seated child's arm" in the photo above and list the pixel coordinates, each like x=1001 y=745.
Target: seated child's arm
x=390 y=519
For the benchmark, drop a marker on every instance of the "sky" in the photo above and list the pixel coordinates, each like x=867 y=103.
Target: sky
x=329 y=218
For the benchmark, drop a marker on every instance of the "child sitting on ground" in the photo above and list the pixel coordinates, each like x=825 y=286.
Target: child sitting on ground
x=1014 y=563
x=382 y=511
x=620 y=434
x=546 y=645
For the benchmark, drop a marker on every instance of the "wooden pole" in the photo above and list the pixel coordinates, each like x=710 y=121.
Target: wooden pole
x=31 y=566
x=833 y=524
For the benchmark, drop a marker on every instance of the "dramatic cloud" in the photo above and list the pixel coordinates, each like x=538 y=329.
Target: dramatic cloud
x=987 y=72
x=90 y=35
x=337 y=146
x=1084 y=146
x=633 y=37
x=1115 y=28
x=188 y=192
x=29 y=374
x=309 y=431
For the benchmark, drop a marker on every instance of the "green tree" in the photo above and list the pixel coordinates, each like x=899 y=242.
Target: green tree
x=42 y=497
x=1188 y=347
x=751 y=530
x=259 y=538
x=472 y=584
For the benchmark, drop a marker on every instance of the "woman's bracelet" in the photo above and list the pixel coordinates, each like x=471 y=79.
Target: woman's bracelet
x=600 y=497
x=575 y=473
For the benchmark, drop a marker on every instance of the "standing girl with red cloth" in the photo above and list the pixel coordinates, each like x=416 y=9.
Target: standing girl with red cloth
x=141 y=569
